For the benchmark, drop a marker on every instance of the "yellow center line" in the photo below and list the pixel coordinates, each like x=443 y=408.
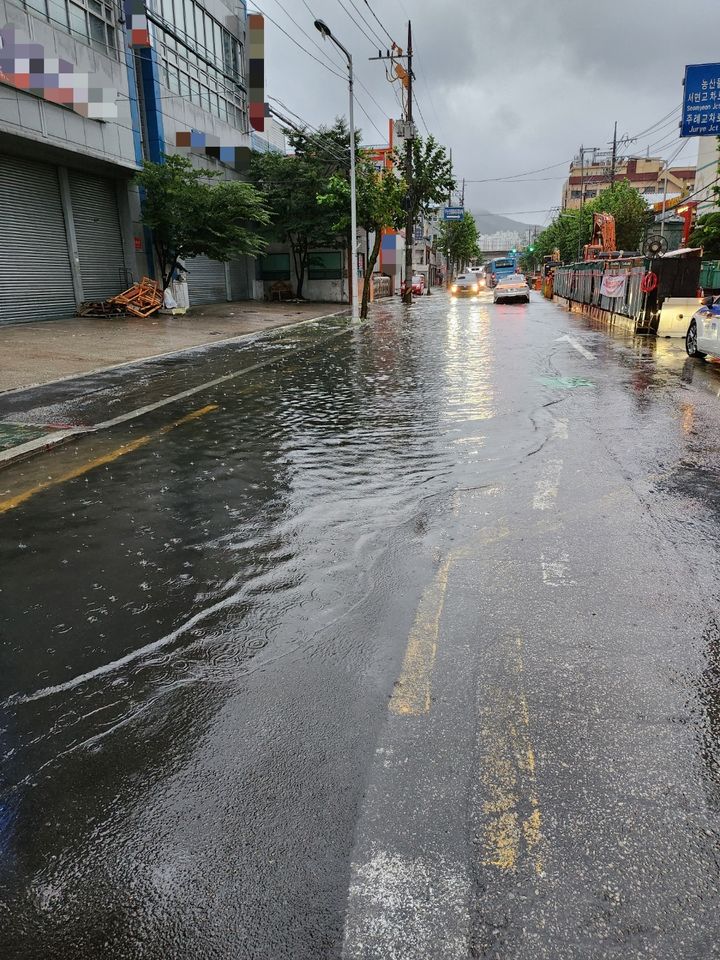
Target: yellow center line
x=12 y=502
x=514 y=821
x=412 y=692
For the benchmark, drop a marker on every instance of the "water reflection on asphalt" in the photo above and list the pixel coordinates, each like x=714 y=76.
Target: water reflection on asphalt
x=199 y=640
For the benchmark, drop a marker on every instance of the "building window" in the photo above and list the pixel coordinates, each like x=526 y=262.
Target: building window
x=589 y=194
x=199 y=47
x=93 y=21
x=275 y=266
x=576 y=194
x=325 y=265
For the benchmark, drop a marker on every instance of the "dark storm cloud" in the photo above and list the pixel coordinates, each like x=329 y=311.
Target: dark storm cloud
x=511 y=86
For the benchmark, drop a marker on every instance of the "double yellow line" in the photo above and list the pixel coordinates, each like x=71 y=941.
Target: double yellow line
x=15 y=501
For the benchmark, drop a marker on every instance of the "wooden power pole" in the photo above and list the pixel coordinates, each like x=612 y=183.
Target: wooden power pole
x=613 y=165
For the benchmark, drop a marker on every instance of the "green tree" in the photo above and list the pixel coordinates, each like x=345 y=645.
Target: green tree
x=458 y=240
x=190 y=216
x=707 y=235
x=572 y=229
x=292 y=184
x=433 y=180
x=379 y=197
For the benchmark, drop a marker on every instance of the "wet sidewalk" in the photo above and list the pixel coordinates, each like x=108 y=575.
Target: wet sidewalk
x=61 y=379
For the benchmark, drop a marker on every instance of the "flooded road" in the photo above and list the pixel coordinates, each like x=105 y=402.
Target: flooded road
x=402 y=641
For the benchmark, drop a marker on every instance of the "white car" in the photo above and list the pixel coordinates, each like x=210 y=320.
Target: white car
x=514 y=287
x=702 y=334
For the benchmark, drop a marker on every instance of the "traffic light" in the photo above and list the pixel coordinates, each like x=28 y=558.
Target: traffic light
x=531 y=248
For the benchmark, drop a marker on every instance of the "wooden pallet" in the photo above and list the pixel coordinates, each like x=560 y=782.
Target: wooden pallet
x=142 y=299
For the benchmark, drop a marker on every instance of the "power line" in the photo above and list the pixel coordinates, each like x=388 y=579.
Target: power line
x=360 y=28
x=528 y=173
x=377 y=39
x=297 y=44
x=304 y=32
x=380 y=23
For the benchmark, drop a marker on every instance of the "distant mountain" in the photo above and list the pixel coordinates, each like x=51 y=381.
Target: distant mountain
x=493 y=223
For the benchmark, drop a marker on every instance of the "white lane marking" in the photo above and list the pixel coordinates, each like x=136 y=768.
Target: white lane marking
x=577 y=346
x=560 y=429
x=407 y=909
x=555 y=568
x=546 y=488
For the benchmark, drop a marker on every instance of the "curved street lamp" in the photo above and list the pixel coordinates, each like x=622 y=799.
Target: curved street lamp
x=327 y=34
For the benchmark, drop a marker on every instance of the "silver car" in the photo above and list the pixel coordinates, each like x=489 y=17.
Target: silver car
x=514 y=287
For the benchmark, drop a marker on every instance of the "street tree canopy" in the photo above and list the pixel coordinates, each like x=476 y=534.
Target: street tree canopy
x=292 y=184
x=572 y=229
x=707 y=235
x=458 y=240
x=190 y=216
x=433 y=180
x=379 y=206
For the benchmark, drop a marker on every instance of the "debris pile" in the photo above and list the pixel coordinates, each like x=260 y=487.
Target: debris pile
x=140 y=300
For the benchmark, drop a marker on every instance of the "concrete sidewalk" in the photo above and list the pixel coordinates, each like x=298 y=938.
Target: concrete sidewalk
x=65 y=379
x=37 y=353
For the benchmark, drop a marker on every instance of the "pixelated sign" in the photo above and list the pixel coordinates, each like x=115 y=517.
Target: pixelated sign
x=26 y=67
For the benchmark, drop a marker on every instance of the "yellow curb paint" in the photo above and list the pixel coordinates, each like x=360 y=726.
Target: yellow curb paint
x=412 y=691
x=12 y=502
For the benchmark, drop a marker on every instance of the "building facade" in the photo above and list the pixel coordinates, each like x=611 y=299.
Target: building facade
x=591 y=173
x=708 y=165
x=89 y=89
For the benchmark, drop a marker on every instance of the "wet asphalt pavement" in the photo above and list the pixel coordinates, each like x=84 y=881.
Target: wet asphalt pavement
x=403 y=642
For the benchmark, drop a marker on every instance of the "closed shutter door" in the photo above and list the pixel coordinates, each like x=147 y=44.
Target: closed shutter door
x=206 y=280
x=99 y=239
x=239 y=278
x=35 y=277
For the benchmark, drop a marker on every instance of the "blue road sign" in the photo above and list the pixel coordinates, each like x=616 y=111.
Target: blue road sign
x=701 y=101
x=453 y=213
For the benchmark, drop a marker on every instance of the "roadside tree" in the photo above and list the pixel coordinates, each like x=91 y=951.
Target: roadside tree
x=190 y=216
x=291 y=185
x=379 y=206
x=707 y=235
x=458 y=240
x=572 y=229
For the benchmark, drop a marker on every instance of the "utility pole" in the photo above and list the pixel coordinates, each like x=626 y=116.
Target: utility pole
x=407 y=78
x=582 y=177
x=613 y=165
x=410 y=223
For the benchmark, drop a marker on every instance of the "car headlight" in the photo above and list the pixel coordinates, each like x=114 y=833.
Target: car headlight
x=475 y=287
x=453 y=288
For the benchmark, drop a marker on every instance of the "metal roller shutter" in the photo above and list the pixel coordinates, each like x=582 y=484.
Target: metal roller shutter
x=99 y=239
x=240 y=272
x=35 y=277
x=206 y=280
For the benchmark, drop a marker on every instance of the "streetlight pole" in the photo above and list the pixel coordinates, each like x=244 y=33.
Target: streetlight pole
x=328 y=35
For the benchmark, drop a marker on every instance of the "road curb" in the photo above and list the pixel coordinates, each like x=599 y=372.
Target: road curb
x=58 y=438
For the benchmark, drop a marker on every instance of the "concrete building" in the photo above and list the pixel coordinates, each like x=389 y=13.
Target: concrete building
x=591 y=173
x=707 y=172
x=90 y=89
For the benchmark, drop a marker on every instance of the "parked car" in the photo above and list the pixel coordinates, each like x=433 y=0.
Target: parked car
x=418 y=285
x=465 y=285
x=702 y=333
x=514 y=287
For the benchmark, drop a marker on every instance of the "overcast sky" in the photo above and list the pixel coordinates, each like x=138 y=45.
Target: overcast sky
x=510 y=85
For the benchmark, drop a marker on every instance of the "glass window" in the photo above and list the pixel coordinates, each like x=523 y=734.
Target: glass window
x=94 y=6
x=194 y=91
x=325 y=265
x=217 y=32
x=38 y=5
x=275 y=266
x=97 y=30
x=184 y=84
x=78 y=20
x=58 y=13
